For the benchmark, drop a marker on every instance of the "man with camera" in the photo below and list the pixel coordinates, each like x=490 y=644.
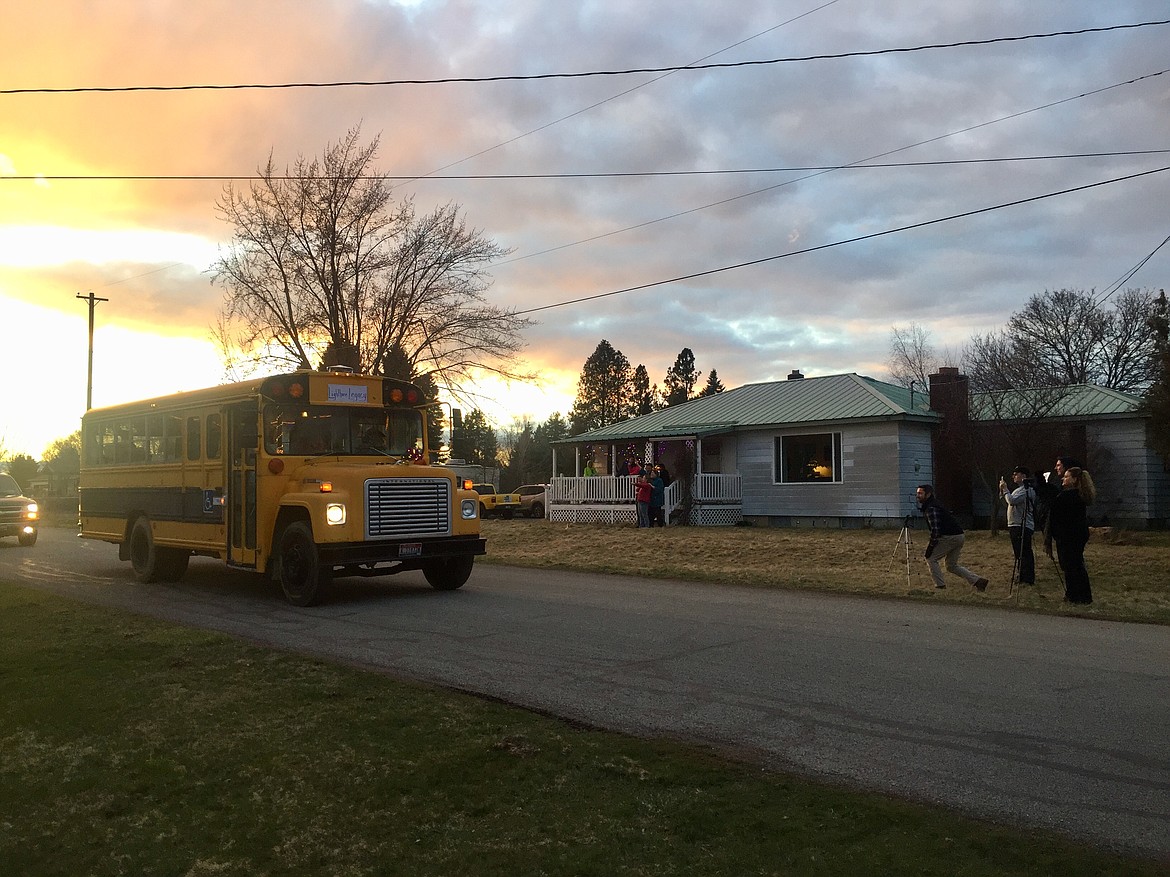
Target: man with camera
x=1021 y=508
x=946 y=540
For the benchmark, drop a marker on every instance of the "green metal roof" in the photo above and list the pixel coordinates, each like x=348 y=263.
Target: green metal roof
x=1078 y=400
x=777 y=403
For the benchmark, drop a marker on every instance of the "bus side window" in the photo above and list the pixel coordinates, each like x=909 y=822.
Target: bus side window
x=214 y=433
x=173 y=438
x=122 y=443
x=107 y=443
x=194 y=451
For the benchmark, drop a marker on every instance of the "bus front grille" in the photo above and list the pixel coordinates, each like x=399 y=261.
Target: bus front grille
x=408 y=507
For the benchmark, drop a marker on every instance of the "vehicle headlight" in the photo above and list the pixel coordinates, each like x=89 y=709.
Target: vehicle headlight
x=335 y=513
x=32 y=511
x=469 y=508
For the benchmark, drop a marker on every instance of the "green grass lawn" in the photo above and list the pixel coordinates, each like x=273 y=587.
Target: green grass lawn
x=131 y=746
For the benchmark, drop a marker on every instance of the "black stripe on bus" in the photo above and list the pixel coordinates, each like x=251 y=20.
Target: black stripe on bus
x=188 y=505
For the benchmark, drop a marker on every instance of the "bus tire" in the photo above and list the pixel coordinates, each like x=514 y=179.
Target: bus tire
x=143 y=553
x=448 y=573
x=303 y=577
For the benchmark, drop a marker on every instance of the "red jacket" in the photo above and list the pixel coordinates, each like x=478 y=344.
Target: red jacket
x=643 y=491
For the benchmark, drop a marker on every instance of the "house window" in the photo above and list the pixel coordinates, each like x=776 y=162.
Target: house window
x=805 y=459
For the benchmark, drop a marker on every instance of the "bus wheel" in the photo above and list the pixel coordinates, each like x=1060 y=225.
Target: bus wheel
x=448 y=573
x=143 y=554
x=303 y=577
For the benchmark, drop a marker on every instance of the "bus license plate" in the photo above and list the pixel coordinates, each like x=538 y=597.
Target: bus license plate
x=410 y=549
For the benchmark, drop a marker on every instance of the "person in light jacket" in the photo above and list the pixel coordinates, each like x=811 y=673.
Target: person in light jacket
x=1021 y=515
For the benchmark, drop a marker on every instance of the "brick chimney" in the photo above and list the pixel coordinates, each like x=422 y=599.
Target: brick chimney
x=950 y=397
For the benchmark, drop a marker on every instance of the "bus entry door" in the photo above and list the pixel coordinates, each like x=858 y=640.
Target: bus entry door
x=242 y=487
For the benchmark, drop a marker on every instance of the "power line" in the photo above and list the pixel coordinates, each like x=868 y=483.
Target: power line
x=630 y=90
x=1121 y=281
x=582 y=75
x=865 y=237
x=859 y=162
x=239 y=178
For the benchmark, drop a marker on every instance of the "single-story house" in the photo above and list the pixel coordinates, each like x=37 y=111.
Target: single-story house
x=834 y=451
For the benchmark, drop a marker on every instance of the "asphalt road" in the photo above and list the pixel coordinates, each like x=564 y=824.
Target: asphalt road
x=1059 y=723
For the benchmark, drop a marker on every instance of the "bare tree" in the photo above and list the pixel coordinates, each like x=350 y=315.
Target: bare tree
x=1066 y=337
x=322 y=257
x=912 y=356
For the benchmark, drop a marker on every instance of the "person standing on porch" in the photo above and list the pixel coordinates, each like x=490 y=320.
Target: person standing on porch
x=643 y=493
x=589 y=471
x=946 y=540
x=657 y=498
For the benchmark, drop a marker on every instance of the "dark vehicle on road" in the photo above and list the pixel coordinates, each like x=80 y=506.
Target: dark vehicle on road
x=19 y=515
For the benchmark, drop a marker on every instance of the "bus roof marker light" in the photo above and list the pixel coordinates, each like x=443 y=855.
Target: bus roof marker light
x=396 y=395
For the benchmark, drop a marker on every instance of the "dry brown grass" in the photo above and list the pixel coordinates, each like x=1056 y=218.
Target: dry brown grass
x=1130 y=571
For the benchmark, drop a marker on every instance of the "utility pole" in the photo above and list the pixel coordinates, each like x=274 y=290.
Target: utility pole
x=93 y=300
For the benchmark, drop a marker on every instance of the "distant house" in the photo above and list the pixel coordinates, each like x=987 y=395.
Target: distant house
x=834 y=451
x=848 y=451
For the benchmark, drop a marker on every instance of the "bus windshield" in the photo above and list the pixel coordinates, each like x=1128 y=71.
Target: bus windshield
x=328 y=429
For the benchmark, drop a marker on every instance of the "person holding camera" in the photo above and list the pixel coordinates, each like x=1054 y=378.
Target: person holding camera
x=1068 y=527
x=1021 y=506
x=946 y=540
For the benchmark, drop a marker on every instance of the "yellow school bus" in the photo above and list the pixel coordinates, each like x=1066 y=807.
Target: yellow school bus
x=302 y=476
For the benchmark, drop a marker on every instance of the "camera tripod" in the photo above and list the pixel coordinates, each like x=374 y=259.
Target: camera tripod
x=905 y=542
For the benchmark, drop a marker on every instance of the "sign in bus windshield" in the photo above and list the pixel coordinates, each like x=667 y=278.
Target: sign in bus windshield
x=349 y=393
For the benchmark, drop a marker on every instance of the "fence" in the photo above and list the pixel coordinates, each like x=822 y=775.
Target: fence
x=712 y=500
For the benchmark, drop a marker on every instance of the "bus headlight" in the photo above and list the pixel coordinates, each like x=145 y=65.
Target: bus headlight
x=335 y=513
x=469 y=508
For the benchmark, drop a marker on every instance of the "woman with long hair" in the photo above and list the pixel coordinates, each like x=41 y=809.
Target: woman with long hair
x=1068 y=527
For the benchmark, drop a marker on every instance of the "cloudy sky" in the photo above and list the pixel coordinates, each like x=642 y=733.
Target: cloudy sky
x=629 y=180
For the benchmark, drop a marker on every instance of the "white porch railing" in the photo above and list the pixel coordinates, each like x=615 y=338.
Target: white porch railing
x=713 y=500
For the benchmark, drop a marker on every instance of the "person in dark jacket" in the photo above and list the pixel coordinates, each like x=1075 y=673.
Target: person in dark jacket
x=657 y=498
x=1048 y=487
x=1068 y=529
x=946 y=540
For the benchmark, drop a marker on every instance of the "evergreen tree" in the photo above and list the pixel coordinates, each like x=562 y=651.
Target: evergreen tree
x=603 y=390
x=516 y=449
x=476 y=441
x=712 y=386
x=1156 y=402
x=644 y=398
x=681 y=378
x=24 y=469
x=553 y=429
